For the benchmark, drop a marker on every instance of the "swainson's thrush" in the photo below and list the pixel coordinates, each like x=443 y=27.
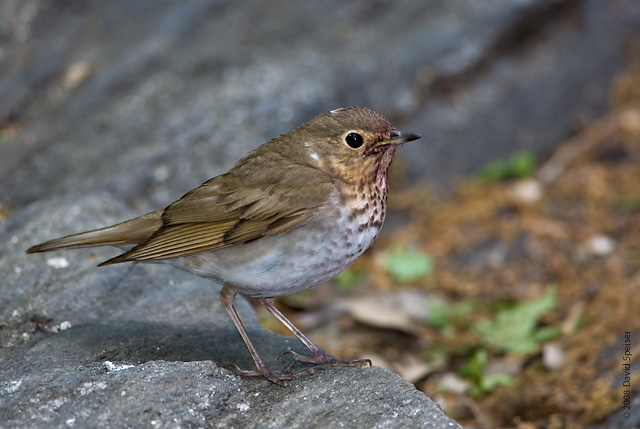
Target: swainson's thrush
x=290 y=215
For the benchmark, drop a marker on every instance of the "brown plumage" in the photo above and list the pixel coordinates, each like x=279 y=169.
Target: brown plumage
x=314 y=195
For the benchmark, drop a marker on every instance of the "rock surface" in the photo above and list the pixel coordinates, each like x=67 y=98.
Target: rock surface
x=146 y=100
x=110 y=109
x=145 y=345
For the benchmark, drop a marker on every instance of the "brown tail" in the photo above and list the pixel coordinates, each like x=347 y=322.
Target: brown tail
x=134 y=231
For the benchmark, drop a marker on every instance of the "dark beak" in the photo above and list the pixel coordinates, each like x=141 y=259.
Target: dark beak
x=399 y=137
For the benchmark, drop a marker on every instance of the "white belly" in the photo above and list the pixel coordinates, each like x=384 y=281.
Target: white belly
x=297 y=260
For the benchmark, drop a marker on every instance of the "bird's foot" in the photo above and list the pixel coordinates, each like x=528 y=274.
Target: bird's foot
x=281 y=377
x=321 y=358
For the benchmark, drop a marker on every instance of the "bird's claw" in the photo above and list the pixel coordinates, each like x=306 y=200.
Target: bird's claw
x=281 y=377
x=321 y=358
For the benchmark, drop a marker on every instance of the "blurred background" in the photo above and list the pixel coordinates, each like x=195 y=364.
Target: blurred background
x=509 y=266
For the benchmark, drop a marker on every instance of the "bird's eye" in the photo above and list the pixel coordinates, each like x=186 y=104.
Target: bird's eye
x=354 y=140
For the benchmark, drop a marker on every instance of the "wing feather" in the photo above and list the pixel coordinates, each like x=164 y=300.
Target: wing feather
x=235 y=208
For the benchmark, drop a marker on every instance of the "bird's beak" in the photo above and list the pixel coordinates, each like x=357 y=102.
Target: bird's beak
x=399 y=137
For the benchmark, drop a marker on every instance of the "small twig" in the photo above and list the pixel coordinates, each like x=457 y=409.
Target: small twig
x=575 y=147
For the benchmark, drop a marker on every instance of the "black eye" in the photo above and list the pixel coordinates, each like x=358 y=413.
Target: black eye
x=354 y=140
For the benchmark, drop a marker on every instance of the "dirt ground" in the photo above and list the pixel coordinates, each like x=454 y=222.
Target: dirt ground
x=553 y=256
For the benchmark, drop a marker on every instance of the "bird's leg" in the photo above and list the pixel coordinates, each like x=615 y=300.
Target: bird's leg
x=319 y=356
x=227 y=296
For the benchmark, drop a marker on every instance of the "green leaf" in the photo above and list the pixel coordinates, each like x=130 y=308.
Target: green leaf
x=348 y=278
x=443 y=315
x=546 y=334
x=493 y=171
x=475 y=366
x=521 y=164
x=439 y=312
x=407 y=265
x=474 y=371
x=490 y=382
x=628 y=203
x=514 y=328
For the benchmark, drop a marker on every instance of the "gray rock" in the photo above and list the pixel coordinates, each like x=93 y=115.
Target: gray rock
x=547 y=68
x=144 y=346
x=175 y=93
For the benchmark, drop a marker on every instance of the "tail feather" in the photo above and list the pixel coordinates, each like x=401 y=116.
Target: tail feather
x=134 y=231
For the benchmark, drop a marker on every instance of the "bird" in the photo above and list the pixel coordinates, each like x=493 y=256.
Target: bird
x=288 y=216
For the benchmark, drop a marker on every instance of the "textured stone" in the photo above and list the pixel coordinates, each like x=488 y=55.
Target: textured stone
x=175 y=93
x=145 y=345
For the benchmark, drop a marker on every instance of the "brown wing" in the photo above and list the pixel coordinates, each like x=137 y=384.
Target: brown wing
x=236 y=207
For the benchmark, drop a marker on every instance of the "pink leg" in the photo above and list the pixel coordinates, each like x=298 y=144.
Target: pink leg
x=227 y=296
x=319 y=356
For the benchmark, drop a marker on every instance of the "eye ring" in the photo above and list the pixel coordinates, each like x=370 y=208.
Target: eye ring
x=354 y=140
